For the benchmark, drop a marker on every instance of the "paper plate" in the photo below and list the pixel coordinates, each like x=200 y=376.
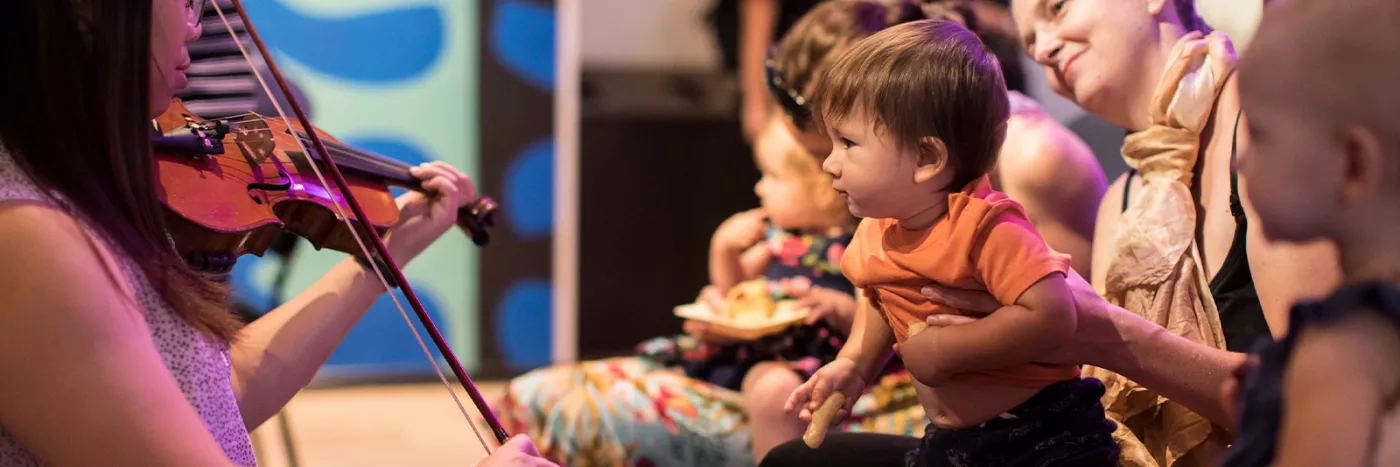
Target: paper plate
x=786 y=315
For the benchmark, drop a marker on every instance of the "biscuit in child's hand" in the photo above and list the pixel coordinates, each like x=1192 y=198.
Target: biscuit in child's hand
x=750 y=303
x=917 y=327
x=822 y=418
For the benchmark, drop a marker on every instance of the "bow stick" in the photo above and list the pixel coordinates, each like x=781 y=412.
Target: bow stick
x=374 y=240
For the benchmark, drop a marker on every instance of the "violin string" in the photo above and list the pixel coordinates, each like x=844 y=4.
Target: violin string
x=341 y=151
x=355 y=233
x=340 y=148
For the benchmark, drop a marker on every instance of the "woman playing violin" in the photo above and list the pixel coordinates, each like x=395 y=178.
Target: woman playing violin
x=113 y=350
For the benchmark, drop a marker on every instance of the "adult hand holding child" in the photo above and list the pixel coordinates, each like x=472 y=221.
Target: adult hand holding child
x=1095 y=320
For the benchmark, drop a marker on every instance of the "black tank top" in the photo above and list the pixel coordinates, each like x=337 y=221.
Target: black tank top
x=1241 y=315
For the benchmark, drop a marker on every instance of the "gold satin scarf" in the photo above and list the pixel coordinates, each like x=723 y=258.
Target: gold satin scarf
x=1156 y=271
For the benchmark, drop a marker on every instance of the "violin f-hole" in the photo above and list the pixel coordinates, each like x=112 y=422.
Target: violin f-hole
x=284 y=183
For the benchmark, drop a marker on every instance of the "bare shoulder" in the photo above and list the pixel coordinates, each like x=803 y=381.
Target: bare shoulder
x=1361 y=347
x=29 y=229
x=68 y=326
x=45 y=252
x=1041 y=156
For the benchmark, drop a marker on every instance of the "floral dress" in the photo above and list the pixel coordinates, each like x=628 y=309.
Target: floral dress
x=799 y=262
x=676 y=402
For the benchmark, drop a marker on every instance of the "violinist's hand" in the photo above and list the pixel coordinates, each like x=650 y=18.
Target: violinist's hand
x=518 y=451
x=423 y=217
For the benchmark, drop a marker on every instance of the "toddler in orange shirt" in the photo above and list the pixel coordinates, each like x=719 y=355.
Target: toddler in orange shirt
x=916 y=114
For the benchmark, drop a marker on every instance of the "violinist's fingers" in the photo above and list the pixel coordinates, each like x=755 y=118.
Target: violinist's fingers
x=429 y=170
x=448 y=168
x=463 y=182
x=442 y=169
x=440 y=187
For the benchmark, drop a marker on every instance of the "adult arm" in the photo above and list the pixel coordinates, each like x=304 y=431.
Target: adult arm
x=279 y=353
x=1041 y=320
x=1110 y=337
x=83 y=382
x=758 y=19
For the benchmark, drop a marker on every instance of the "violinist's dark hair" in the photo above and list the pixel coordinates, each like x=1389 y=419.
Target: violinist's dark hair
x=77 y=120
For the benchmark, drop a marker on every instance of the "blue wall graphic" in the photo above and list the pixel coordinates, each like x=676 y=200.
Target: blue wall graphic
x=517 y=108
x=395 y=80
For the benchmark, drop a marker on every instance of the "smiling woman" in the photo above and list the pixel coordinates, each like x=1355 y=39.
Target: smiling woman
x=1109 y=56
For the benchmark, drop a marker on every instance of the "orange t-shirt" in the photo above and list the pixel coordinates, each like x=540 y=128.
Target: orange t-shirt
x=985 y=242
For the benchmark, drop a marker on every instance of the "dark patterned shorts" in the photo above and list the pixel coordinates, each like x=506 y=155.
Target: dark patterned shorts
x=1062 y=425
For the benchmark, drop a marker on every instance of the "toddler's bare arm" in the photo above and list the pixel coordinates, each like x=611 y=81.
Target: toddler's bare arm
x=871 y=341
x=1042 y=319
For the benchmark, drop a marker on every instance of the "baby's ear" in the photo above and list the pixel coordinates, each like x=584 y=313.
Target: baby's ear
x=1365 y=169
x=933 y=159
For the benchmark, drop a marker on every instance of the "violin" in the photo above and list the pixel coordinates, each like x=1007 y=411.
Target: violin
x=230 y=185
x=233 y=184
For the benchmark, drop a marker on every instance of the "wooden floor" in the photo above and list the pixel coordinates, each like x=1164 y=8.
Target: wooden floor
x=400 y=424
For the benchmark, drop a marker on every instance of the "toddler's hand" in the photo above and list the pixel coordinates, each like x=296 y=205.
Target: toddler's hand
x=936 y=377
x=742 y=230
x=837 y=376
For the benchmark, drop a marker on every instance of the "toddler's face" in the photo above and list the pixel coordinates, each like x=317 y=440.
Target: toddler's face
x=783 y=191
x=870 y=171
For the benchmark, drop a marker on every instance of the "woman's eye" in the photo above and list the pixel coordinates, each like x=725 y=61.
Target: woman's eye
x=1057 y=6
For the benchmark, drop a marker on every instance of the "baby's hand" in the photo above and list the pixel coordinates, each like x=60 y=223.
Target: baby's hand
x=741 y=230
x=914 y=328
x=837 y=376
x=932 y=376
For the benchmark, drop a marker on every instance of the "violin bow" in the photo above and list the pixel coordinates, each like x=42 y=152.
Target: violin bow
x=374 y=239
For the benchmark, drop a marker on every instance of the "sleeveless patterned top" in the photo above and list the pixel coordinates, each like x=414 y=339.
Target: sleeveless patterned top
x=200 y=365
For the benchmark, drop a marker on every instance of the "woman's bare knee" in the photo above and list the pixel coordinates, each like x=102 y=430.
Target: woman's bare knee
x=768 y=385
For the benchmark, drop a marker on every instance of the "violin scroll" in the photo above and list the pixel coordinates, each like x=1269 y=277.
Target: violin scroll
x=478 y=218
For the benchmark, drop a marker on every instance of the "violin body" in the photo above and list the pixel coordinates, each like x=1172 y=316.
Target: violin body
x=236 y=201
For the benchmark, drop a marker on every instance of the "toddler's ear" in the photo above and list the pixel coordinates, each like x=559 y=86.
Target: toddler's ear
x=933 y=159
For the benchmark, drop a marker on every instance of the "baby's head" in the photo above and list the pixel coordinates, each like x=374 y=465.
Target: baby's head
x=794 y=190
x=914 y=112
x=833 y=26
x=1318 y=88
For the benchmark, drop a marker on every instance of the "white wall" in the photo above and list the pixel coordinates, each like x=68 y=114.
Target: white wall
x=647 y=34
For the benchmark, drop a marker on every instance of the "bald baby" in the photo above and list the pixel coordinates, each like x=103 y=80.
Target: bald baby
x=1340 y=58
x=1320 y=88
x=1321 y=92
